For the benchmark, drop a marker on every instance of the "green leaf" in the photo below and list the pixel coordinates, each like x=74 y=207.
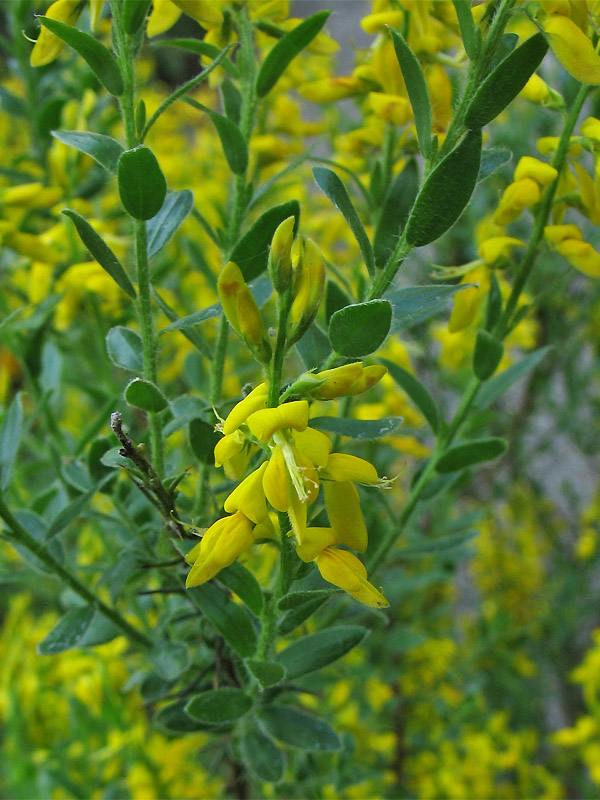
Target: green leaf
x=394 y=212
x=231 y=620
x=298 y=615
x=493 y=390
x=360 y=329
x=232 y=100
x=68 y=632
x=220 y=705
x=232 y=139
x=295 y=599
x=317 y=650
x=417 y=91
x=142 y=186
x=252 y=250
x=10 y=439
x=145 y=395
x=163 y=226
x=203 y=439
x=262 y=756
x=103 y=149
x=49 y=115
x=170 y=658
x=314 y=346
x=36 y=527
x=332 y=186
x=241 y=581
x=100 y=60
x=436 y=546
x=201 y=48
x=417 y=393
x=487 y=355
x=466 y=454
x=133 y=14
x=335 y=299
x=267 y=673
x=418 y=303
x=286 y=49
x=298 y=729
x=70 y=513
x=124 y=348
x=470 y=35
x=194 y=336
x=491 y=160
x=99 y=250
x=173 y=719
x=357 y=428
x=446 y=192
x=505 y=82
x=493 y=309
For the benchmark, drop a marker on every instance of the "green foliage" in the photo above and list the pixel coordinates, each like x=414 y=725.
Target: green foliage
x=361 y=328
x=142 y=186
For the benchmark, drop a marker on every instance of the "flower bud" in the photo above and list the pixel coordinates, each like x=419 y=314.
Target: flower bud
x=343 y=509
x=309 y=283
x=529 y=167
x=516 y=197
x=346 y=467
x=242 y=312
x=220 y=546
x=280 y=255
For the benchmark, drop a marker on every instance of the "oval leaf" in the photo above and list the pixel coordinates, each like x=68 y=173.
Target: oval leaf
x=394 y=212
x=505 y=82
x=163 y=226
x=100 y=60
x=232 y=140
x=170 y=658
x=446 y=192
x=99 y=250
x=298 y=729
x=220 y=705
x=134 y=13
x=418 y=303
x=317 y=650
x=487 y=355
x=466 y=454
x=69 y=631
x=231 y=620
x=417 y=393
x=417 y=91
x=10 y=439
x=286 y=49
x=142 y=186
x=124 y=348
x=241 y=581
x=145 y=395
x=491 y=160
x=262 y=756
x=360 y=329
x=252 y=250
x=267 y=673
x=103 y=149
x=335 y=190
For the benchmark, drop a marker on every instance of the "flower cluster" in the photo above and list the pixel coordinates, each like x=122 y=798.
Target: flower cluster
x=299 y=461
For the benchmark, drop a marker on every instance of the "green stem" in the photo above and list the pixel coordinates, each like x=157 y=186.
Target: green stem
x=284 y=580
x=21 y=536
x=543 y=214
x=285 y=303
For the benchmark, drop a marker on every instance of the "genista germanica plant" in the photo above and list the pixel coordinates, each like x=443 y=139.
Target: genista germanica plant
x=202 y=361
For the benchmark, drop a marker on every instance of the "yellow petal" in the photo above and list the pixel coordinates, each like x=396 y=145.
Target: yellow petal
x=390 y=107
x=343 y=509
x=249 y=496
x=516 y=197
x=314 y=541
x=337 y=381
x=582 y=256
x=313 y=444
x=529 y=167
x=498 y=247
x=276 y=483
x=573 y=49
x=242 y=410
x=206 y=12
x=343 y=569
x=222 y=544
x=228 y=447
x=558 y=233
x=48 y=46
x=345 y=467
x=163 y=16
x=297 y=515
x=265 y=422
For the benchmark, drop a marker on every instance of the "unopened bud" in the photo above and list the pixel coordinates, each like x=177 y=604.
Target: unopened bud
x=280 y=255
x=241 y=310
x=309 y=283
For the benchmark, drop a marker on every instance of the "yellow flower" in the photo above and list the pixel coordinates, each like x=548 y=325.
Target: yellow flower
x=48 y=46
x=308 y=286
x=249 y=496
x=280 y=255
x=517 y=196
x=241 y=310
x=342 y=569
x=345 y=467
x=343 y=509
x=241 y=411
x=220 y=546
x=541 y=172
x=265 y=422
x=347 y=380
x=573 y=49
